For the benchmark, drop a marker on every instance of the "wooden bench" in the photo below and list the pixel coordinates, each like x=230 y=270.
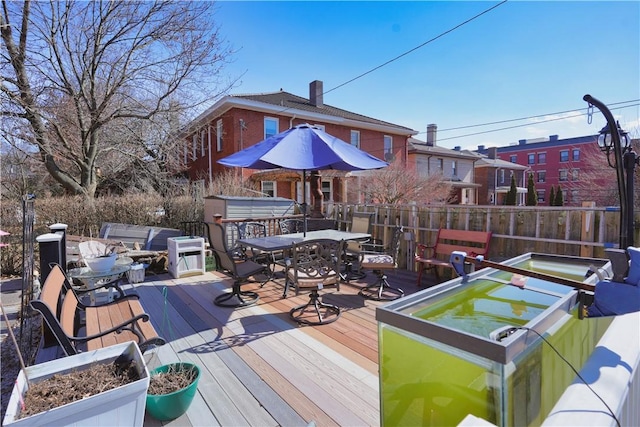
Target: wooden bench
x=431 y=257
x=103 y=325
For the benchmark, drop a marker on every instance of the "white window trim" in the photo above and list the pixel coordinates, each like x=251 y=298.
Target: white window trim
x=275 y=119
x=219 y=132
x=357 y=133
x=275 y=187
x=330 y=181
x=387 y=150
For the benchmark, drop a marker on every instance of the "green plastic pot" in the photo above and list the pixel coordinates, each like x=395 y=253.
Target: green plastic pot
x=166 y=407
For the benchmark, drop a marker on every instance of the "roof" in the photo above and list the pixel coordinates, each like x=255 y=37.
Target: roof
x=542 y=143
x=420 y=147
x=286 y=100
x=484 y=161
x=288 y=104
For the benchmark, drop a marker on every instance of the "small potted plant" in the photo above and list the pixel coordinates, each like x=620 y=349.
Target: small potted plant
x=171 y=390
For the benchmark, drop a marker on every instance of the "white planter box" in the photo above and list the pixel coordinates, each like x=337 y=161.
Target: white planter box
x=120 y=406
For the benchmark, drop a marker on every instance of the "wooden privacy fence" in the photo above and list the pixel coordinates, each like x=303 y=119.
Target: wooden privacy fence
x=572 y=231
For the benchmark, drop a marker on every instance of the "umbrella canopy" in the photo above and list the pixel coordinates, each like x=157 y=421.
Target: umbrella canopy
x=303 y=147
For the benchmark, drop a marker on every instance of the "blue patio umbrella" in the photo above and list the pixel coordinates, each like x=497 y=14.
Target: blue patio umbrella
x=303 y=147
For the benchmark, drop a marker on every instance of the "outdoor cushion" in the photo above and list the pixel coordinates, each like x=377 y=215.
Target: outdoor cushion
x=633 y=278
x=613 y=299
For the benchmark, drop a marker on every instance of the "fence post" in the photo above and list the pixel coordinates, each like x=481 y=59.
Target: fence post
x=61 y=229
x=587 y=232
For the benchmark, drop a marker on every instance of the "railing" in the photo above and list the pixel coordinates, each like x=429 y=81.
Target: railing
x=569 y=231
x=572 y=231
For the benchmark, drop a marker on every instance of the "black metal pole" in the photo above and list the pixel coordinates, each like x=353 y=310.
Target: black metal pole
x=629 y=167
x=615 y=137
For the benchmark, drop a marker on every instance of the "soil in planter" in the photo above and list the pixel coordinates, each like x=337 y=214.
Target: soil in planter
x=61 y=389
x=171 y=381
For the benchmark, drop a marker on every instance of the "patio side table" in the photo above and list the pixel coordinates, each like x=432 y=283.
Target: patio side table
x=186 y=256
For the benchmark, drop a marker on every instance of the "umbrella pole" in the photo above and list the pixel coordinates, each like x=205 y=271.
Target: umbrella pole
x=304 y=203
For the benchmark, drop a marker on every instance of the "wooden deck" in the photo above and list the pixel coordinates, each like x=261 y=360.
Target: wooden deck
x=259 y=368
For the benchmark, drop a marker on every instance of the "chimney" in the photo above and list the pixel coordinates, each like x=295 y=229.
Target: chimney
x=315 y=93
x=492 y=152
x=480 y=148
x=457 y=148
x=432 y=130
x=553 y=138
x=522 y=141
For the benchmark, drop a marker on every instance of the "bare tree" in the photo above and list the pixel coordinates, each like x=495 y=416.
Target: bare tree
x=102 y=86
x=230 y=183
x=396 y=184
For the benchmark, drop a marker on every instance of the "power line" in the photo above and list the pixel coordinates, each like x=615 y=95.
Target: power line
x=417 y=47
x=530 y=117
x=522 y=125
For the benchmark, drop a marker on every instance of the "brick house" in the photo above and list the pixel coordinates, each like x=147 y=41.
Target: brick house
x=236 y=122
x=456 y=166
x=554 y=162
x=493 y=175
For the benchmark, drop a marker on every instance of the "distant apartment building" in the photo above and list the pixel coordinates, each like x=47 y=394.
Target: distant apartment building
x=555 y=162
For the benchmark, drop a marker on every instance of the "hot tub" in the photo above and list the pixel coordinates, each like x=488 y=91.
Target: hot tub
x=461 y=348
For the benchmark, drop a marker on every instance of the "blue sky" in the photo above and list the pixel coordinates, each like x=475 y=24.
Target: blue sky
x=519 y=60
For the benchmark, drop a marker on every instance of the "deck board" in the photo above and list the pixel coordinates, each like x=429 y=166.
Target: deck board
x=260 y=368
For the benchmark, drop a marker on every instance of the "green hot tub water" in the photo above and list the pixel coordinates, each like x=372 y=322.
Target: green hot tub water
x=426 y=382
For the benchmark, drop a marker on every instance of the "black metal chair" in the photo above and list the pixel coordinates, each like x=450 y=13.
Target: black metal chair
x=313 y=265
x=288 y=226
x=380 y=262
x=240 y=271
x=361 y=222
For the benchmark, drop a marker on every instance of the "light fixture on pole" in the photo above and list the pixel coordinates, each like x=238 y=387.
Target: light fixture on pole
x=613 y=139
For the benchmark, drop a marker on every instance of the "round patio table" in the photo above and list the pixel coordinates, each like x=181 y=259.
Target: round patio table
x=91 y=280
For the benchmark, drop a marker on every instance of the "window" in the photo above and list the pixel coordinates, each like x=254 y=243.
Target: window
x=440 y=165
x=268 y=187
x=542 y=176
x=202 y=135
x=575 y=174
x=531 y=159
x=454 y=168
x=575 y=196
x=513 y=158
x=326 y=190
x=575 y=155
x=270 y=127
x=194 y=147
x=564 y=155
x=388 y=148
x=501 y=176
x=542 y=158
x=540 y=194
x=219 y=135
x=185 y=158
x=563 y=175
x=355 y=138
